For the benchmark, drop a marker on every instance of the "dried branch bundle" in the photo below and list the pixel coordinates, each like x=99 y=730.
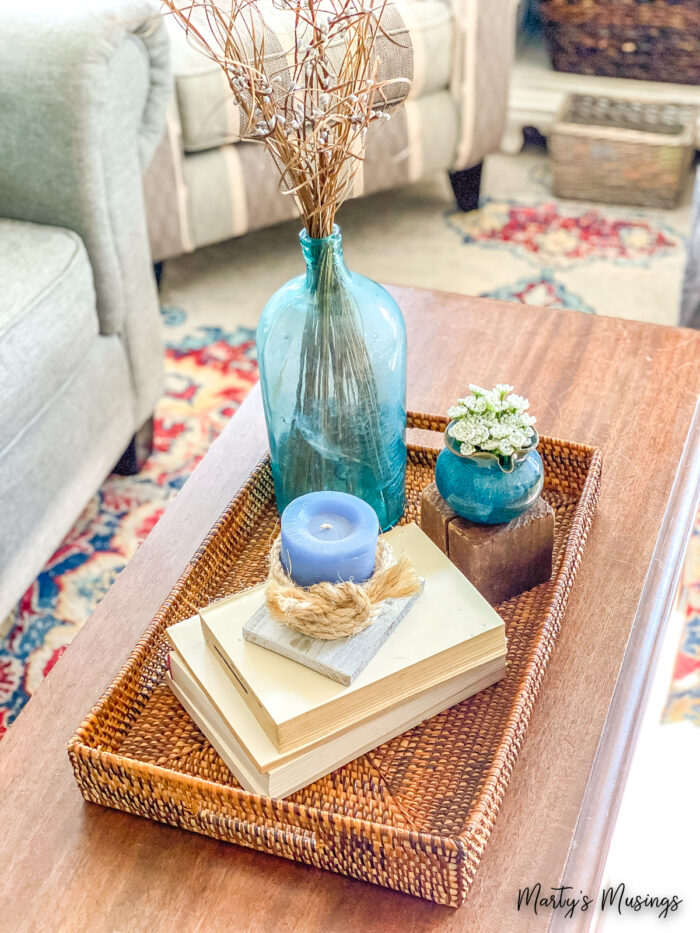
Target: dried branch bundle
x=311 y=104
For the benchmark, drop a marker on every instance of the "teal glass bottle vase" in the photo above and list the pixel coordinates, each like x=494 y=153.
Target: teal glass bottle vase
x=487 y=489
x=332 y=357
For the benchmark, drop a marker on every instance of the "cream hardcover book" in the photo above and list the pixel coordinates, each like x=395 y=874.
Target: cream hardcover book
x=247 y=750
x=450 y=630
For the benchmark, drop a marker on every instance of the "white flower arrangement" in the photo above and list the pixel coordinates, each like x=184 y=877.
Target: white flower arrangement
x=493 y=421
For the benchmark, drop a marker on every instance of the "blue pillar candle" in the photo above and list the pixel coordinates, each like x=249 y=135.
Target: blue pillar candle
x=328 y=536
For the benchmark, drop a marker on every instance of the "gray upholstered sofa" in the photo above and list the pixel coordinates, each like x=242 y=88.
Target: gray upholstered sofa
x=83 y=95
x=206 y=185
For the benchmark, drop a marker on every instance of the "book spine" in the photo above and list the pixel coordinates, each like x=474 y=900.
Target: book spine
x=245 y=776
x=256 y=708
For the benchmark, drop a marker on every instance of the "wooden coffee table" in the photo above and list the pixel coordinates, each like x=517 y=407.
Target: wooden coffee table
x=629 y=388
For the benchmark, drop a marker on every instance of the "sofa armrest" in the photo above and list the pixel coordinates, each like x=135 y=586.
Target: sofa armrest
x=483 y=53
x=82 y=108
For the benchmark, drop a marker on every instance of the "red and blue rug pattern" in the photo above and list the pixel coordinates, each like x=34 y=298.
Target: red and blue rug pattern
x=566 y=236
x=589 y=258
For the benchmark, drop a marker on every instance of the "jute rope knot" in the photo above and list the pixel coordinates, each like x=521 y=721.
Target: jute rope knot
x=336 y=610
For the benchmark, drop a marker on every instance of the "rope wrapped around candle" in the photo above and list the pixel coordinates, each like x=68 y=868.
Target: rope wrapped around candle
x=336 y=610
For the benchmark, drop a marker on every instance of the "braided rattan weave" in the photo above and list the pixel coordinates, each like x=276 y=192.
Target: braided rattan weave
x=415 y=813
x=622 y=151
x=652 y=40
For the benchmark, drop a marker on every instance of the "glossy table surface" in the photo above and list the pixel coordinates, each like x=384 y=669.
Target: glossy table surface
x=629 y=388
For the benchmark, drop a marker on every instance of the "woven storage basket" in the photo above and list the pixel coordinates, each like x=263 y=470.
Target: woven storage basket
x=415 y=813
x=652 y=40
x=621 y=151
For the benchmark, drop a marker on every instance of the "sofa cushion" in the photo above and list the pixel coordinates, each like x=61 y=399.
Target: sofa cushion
x=233 y=189
x=47 y=318
x=210 y=119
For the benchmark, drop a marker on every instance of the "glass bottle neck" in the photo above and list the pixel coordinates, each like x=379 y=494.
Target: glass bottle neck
x=323 y=257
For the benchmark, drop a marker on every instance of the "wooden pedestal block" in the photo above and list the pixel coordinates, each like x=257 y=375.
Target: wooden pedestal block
x=435 y=516
x=500 y=560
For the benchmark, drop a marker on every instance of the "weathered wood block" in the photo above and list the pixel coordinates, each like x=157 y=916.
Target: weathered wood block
x=435 y=516
x=341 y=659
x=500 y=560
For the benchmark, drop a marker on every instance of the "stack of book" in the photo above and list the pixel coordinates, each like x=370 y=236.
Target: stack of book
x=278 y=724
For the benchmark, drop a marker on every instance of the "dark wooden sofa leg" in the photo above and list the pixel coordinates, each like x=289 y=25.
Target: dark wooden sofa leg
x=158 y=271
x=466 y=185
x=139 y=450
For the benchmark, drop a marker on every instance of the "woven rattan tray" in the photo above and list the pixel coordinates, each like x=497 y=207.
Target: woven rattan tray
x=415 y=813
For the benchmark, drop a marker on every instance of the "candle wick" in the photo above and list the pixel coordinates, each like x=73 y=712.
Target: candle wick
x=325 y=526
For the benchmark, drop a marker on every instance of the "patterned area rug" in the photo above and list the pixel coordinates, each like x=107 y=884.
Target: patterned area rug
x=541 y=253
x=568 y=248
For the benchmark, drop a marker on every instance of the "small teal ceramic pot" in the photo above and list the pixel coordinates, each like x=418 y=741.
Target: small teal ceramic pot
x=487 y=489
